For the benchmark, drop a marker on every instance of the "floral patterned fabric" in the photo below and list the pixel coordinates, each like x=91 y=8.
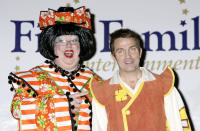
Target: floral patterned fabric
x=49 y=109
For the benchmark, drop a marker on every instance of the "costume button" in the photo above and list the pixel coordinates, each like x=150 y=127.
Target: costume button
x=128 y=112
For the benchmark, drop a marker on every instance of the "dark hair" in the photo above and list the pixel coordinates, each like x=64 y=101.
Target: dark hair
x=49 y=34
x=125 y=33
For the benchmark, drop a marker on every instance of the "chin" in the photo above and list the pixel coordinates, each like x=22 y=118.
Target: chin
x=69 y=62
x=131 y=69
x=72 y=60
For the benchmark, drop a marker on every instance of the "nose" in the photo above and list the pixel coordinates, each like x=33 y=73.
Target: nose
x=127 y=54
x=68 y=43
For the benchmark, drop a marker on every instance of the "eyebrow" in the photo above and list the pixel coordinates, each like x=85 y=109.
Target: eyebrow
x=62 y=39
x=133 y=46
x=118 y=49
x=129 y=47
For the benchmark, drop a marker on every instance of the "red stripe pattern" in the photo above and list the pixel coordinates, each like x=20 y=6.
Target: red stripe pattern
x=49 y=110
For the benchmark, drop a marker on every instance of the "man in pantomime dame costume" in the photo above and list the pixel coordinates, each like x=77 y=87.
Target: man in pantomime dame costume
x=45 y=96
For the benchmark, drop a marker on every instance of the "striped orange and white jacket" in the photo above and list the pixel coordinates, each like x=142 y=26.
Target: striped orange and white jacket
x=41 y=101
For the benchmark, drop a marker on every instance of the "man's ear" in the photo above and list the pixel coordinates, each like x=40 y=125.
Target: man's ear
x=113 y=57
x=140 y=52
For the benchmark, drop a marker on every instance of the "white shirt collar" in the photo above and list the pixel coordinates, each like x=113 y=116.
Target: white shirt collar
x=146 y=76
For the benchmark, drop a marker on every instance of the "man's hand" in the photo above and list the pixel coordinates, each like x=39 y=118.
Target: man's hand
x=77 y=100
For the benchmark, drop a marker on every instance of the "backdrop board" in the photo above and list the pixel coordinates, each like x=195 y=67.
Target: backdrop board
x=170 y=30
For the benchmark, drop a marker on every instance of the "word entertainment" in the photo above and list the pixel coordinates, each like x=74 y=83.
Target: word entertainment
x=183 y=36
x=99 y=65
